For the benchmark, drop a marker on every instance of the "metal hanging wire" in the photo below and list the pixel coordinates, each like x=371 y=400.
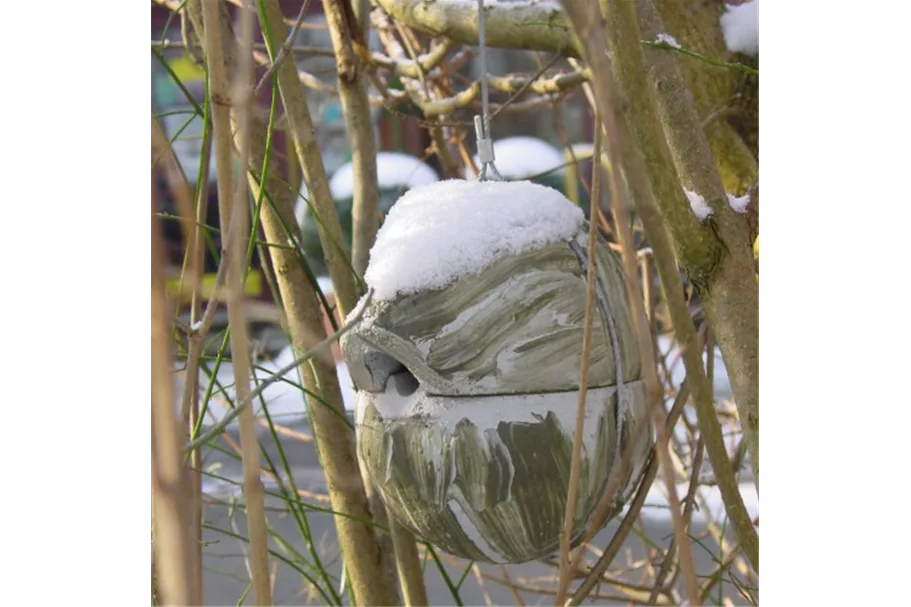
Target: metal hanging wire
x=488 y=170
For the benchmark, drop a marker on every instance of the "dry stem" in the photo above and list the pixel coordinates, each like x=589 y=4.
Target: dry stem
x=345 y=32
x=732 y=300
x=335 y=249
x=594 y=575
x=576 y=465
x=357 y=540
x=652 y=177
x=234 y=220
x=585 y=21
x=169 y=504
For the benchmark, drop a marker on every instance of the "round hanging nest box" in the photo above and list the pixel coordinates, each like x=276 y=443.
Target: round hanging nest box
x=396 y=174
x=519 y=158
x=467 y=363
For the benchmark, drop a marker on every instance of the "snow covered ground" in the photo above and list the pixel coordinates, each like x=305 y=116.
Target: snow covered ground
x=284 y=400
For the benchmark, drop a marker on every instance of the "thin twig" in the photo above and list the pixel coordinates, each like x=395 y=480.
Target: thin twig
x=572 y=497
x=512 y=588
x=626 y=524
x=689 y=502
x=232 y=199
x=278 y=375
x=286 y=47
x=480 y=578
x=169 y=540
x=726 y=64
x=166 y=44
x=502 y=83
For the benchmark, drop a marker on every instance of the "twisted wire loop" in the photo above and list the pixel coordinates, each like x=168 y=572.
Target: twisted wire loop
x=488 y=170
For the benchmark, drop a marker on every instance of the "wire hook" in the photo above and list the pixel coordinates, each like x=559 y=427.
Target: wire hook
x=482 y=123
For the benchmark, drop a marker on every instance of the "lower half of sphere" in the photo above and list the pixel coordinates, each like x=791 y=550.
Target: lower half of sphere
x=486 y=478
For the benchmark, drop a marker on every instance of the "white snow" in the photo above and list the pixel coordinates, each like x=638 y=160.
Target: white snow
x=300 y=207
x=739 y=203
x=740 y=26
x=286 y=403
x=392 y=169
x=667 y=39
x=325 y=285
x=698 y=204
x=438 y=233
x=521 y=157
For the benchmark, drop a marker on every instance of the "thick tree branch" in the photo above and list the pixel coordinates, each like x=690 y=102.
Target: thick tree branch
x=641 y=180
x=352 y=86
x=346 y=31
x=752 y=210
x=301 y=131
x=731 y=297
x=526 y=25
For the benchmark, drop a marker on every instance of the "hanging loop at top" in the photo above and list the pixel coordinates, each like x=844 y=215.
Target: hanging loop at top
x=488 y=170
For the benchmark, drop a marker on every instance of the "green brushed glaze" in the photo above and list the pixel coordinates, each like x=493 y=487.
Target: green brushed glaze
x=510 y=478
x=516 y=327
x=476 y=457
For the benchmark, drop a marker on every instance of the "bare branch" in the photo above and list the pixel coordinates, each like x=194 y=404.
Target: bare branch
x=554 y=84
x=286 y=47
x=569 y=517
x=278 y=375
x=526 y=25
x=650 y=175
x=352 y=85
x=234 y=93
x=259 y=46
x=411 y=68
x=733 y=306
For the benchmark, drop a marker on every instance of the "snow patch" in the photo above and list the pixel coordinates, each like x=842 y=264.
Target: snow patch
x=286 y=403
x=522 y=157
x=325 y=285
x=300 y=207
x=438 y=233
x=739 y=203
x=740 y=26
x=392 y=170
x=667 y=39
x=698 y=204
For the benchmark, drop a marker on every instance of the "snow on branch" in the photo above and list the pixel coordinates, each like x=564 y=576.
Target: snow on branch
x=519 y=24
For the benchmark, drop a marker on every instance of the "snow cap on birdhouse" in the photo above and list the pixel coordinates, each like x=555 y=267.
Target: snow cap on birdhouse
x=467 y=361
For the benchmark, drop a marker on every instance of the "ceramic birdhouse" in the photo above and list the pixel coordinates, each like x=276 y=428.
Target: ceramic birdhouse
x=467 y=360
x=396 y=173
